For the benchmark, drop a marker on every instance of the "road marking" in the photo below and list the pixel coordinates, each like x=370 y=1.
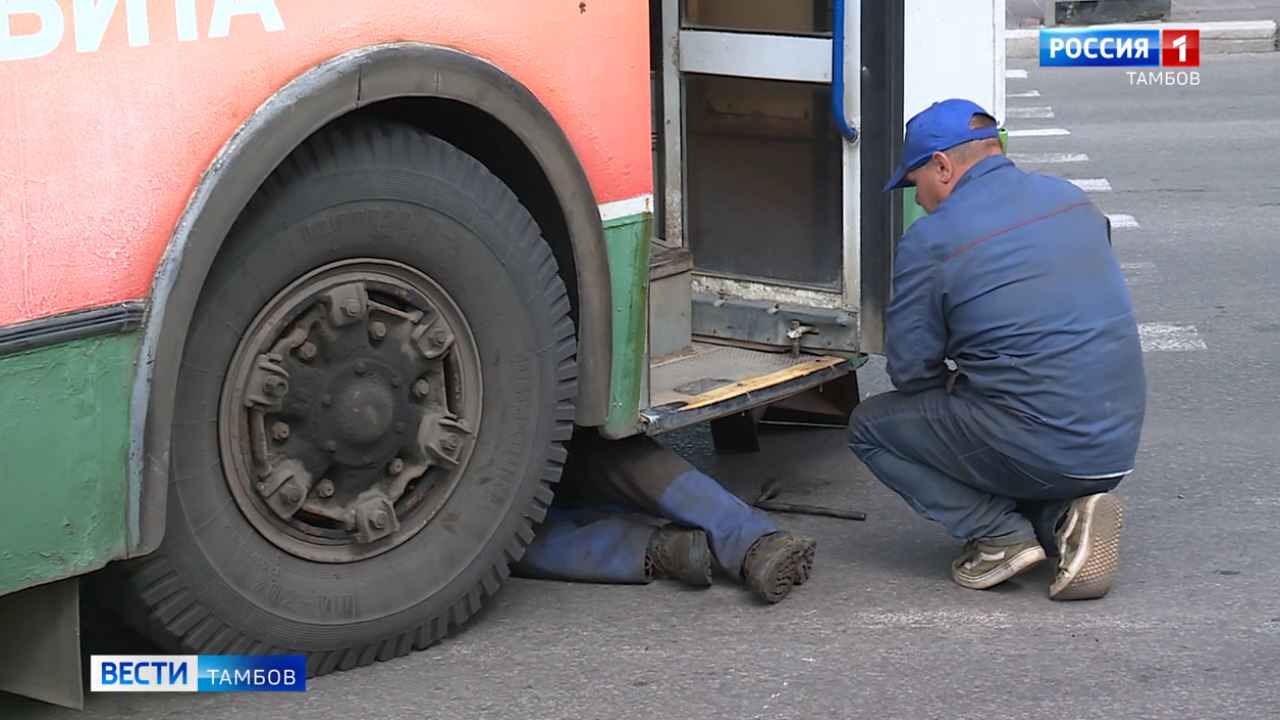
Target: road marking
x=1122 y=221
x=1028 y=93
x=1163 y=337
x=1053 y=157
x=1038 y=111
x=1093 y=184
x=1139 y=273
x=1015 y=74
x=1039 y=132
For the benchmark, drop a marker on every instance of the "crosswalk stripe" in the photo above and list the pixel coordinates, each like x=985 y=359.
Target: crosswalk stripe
x=1052 y=157
x=1029 y=112
x=1122 y=221
x=1026 y=94
x=1140 y=273
x=1015 y=74
x=1039 y=132
x=1164 y=337
x=1092 y=184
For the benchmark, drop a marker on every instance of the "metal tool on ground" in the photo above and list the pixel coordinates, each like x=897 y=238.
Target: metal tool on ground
x=766 y=501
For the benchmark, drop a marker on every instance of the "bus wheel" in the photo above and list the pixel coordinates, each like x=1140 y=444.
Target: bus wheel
x=371 y=411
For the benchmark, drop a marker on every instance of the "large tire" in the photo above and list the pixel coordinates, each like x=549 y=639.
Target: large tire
x=385 y=192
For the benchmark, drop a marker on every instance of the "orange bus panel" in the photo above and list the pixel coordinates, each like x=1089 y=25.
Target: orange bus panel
x=110 y=111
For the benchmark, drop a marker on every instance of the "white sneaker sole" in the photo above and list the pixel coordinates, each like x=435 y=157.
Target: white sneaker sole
x=1014 y=566
x=1094 y=566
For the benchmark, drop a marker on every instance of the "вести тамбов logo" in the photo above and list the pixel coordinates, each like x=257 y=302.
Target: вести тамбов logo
x=1175 y=49
x=198 y=673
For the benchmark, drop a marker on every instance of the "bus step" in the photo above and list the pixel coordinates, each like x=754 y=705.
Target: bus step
x=714 y=381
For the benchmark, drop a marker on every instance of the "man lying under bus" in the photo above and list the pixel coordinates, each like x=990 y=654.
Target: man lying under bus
x=627 y=511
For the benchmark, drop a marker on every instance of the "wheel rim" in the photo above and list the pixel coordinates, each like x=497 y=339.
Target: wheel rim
x=349 y=410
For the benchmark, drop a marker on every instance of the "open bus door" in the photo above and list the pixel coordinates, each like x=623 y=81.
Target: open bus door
x=778 y=123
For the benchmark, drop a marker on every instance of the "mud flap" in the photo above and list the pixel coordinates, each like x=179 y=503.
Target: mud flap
x=40 y=643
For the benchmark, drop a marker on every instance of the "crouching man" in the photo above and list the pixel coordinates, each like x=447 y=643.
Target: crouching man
x=1011 y=276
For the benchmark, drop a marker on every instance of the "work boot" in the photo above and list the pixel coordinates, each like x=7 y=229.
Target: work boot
x=1089 y=548
x=679 y=554
x=983 y=565
x=776 y=562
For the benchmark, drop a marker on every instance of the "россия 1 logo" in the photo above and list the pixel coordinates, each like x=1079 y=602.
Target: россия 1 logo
x=1111 y=47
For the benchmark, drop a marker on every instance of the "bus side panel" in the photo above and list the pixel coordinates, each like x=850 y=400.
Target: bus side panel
x=116 y=116
x=64 y=422
x=110 y=120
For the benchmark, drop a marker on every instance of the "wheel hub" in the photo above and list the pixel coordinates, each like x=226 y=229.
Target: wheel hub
x=348 y=413
x=364 y=400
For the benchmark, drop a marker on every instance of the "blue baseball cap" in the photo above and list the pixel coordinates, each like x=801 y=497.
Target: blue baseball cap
x=940 y=127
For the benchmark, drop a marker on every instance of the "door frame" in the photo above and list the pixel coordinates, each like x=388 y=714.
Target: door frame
x=762 y=56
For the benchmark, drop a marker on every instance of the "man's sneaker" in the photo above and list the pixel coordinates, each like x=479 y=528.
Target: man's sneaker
x=680 y=554
x=1089 y=548
x=981 y=566
x=775 y=561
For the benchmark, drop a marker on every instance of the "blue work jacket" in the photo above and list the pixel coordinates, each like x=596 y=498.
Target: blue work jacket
x=1013 y=278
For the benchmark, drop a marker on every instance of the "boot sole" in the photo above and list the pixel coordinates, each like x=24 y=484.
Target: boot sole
x=1015 y=566
x=1094 y=567
x=774 y=577
x=699 y=561
x=805 y=567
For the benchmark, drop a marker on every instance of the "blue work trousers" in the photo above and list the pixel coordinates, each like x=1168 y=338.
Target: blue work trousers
x=612 y=497
x=921 y=447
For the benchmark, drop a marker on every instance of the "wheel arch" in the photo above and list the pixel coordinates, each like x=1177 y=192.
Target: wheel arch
x=349 y=83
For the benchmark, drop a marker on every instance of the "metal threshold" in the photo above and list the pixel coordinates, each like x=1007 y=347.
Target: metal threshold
x=713 y=381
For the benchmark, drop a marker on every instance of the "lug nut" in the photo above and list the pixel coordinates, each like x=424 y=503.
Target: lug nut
x=377 y=330
x=395 y=381
x=361 y=368
x=330 y=445
x=380 y=519
x=326 y=400
x=400 y=427
x=421 y=388
x=450 y=442
x=307 y=351
x=275 y=386
x=280 y=431
x=396 y=466
x=262 y=488
x=439 y=336
x=351 y=307
x=324 y=488
x=292 y=495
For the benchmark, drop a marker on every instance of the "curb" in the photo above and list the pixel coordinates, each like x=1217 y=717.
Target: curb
x=1216 y=38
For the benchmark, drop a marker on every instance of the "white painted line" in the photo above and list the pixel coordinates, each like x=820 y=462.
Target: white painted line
x=624 y=208
x=1029 y=112
x=1162 y=337
x=1015 y=74
x=1052 y=157
x=1139 y=273
x=1027 y=94
x=1039 y=132
x=1122 y=221
x=1092 y=184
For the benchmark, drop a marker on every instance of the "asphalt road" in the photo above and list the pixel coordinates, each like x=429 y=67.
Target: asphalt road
x=1192 y=629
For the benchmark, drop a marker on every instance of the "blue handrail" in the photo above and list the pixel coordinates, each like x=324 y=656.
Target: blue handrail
x=837 y=73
